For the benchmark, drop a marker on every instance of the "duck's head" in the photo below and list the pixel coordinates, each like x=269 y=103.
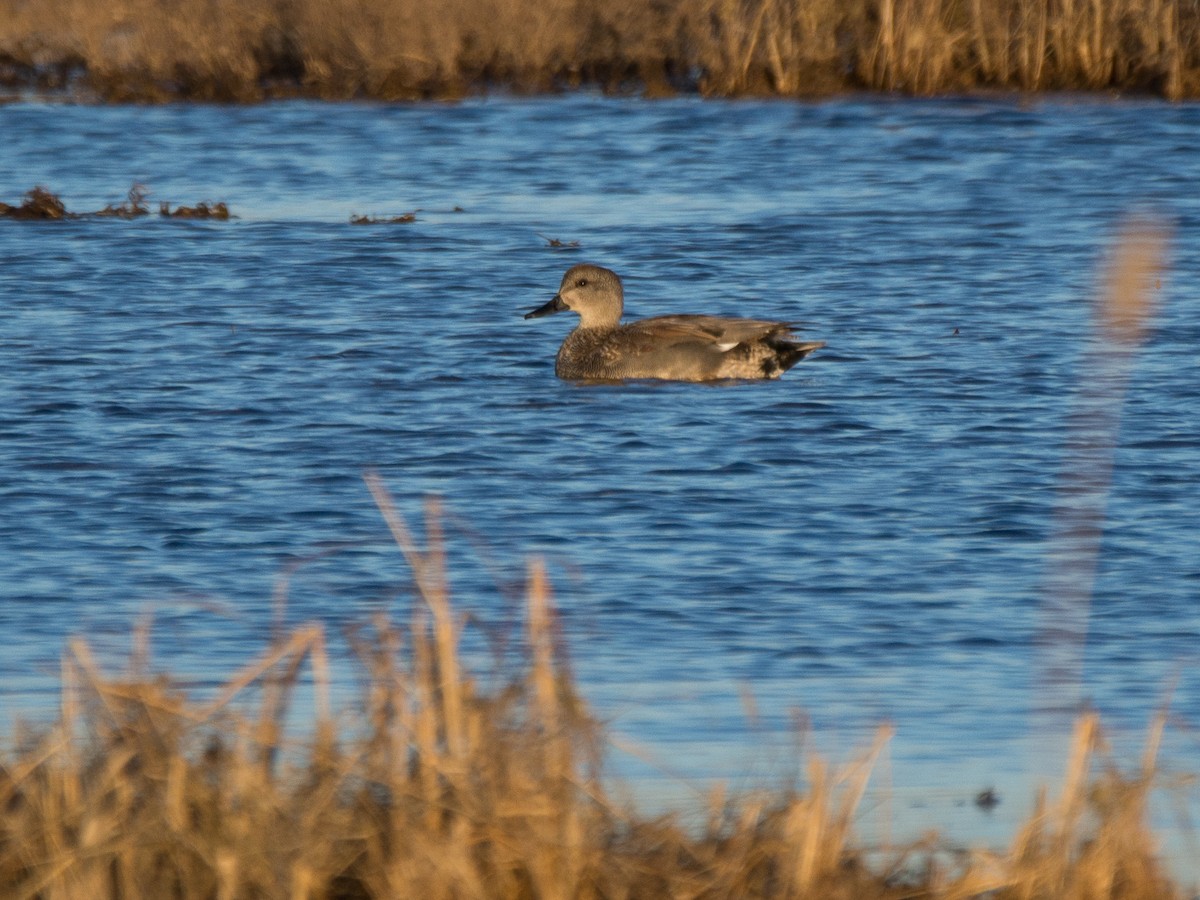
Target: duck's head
x=591 y=291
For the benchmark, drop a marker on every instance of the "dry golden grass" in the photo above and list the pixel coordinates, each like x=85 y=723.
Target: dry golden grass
x=400 y=49
x=430 y=787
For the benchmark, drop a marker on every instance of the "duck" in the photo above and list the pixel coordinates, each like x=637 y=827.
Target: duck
x=668 y=348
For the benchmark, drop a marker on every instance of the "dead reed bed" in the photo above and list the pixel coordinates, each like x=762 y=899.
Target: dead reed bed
x=150 y=50
x=429 y=786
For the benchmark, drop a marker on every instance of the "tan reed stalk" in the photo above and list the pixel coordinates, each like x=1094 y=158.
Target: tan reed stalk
x=430 y=571
x=884 y=71
x=980 y=41
x=1032 y=41
x=820 y=826
x=1172 y=46
x=1126 y=301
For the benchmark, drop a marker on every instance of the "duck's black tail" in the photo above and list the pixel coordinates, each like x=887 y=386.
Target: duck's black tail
x=787 y=354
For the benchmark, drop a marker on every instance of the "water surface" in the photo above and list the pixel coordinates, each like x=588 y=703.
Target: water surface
x=186 y=409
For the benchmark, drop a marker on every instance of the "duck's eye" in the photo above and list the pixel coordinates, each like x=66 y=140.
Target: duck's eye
x=582 y=282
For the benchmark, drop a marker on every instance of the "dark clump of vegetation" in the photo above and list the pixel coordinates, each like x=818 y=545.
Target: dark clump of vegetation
x=430 y=786
x=202 y=210
x=559 y=244
x=402 y=219
x=133 y=207
x=40 y=203
x=221 y=50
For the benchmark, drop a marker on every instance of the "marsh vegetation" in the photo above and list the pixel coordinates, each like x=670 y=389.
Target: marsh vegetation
x=432 y=785
x=153 y=50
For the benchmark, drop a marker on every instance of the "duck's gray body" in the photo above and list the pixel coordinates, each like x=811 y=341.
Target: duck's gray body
x=674 y=348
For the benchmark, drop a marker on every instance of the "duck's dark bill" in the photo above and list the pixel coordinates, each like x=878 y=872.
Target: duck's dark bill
x=555 y=305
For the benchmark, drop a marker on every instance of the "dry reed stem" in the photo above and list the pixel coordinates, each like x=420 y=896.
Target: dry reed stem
x=1132 y=281
x=430 y=571
x=1125 y=304
x=301 y=642
x=1057 y=854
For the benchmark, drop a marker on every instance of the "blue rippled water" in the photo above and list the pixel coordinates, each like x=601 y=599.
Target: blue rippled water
x=186 y=408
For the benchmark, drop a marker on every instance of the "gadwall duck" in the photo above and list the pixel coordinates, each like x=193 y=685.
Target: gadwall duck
x=674 y=348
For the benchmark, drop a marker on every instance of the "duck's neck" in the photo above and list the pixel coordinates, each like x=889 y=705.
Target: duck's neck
x=596 y=327
x=599 y=319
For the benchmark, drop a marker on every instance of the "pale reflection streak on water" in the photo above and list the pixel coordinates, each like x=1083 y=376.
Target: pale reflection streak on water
x=186 y=408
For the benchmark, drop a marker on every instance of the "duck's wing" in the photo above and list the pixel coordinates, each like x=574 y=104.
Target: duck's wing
x=720 y=332
x=700 y=348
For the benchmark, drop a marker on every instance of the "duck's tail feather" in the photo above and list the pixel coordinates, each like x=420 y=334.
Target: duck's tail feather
x=787 y=354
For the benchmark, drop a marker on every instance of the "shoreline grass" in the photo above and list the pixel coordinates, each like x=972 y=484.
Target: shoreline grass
x=221 y=50
x=430 y=786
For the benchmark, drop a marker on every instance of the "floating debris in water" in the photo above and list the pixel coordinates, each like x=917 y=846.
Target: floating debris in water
x=987 y=799
x=134 y=205
x=39 y=203
x=557 y=244
x=42 y=203
x=201 y=210
x=402 y=219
